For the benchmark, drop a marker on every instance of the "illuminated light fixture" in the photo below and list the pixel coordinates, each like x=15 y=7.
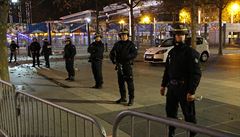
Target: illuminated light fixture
x=121 y=22
x=88 y=20
x=14 y=1
x=145 y=20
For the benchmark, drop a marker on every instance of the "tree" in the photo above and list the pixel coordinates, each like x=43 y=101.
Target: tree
x=4 y=73
x=132 y=4
x=193 y=23
x=221 y=4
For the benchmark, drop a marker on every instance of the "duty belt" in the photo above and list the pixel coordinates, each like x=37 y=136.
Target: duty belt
x=176 y=82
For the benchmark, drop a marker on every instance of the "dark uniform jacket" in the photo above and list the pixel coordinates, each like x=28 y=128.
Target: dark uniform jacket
x=96 y=50
x=35 y=48
x=183 y=65
x=46 y=49
x=123 y=52
x=13 y=47
x=69 y=51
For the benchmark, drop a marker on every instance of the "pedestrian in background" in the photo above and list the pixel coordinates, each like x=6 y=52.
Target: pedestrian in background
x=123 y=54
x=13 y=51
x=96 y=50
x=181 y=76
x=46 y=52
x=35 y=51
x=69 y=54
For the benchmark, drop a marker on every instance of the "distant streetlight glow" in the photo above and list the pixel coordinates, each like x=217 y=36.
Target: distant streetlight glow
x=14 y=1
x=88 y=20
x=185 y=16
x=145 y=20
x=121 y=22
x=235 y=8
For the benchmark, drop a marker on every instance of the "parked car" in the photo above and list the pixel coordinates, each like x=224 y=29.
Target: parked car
x=159 y=54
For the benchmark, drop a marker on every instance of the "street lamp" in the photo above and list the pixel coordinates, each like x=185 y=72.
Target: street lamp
x=122 y=23
x=88 y=20
x=234 y=9
x=145 y=20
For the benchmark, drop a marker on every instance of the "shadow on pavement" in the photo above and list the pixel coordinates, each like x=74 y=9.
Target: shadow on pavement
x=81 y=101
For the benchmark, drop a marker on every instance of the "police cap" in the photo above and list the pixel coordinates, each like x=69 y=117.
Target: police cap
x=68 y=39
x=123 y=31
x=97 y=35
x=179 y=29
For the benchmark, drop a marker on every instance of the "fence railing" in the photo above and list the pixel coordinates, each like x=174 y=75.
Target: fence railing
x=38 y=117
x=24 y=115
x=8 y=121
x=166 y=121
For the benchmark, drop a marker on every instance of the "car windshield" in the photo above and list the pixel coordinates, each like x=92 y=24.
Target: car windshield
x=167 y=43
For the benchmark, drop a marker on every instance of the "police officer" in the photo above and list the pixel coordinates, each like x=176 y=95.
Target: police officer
x=69 y=54
x=46 y=51
x=122 y=54
x=35 y=51
x=13 y=50
x=96 y=50
x=181 y=80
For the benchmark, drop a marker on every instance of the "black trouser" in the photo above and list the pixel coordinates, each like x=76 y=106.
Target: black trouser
x=125 y=74
x=70 y=67
x=13 y=53
x=35 y=55
x=97 y=72
x=176 y=95
x=46 y=57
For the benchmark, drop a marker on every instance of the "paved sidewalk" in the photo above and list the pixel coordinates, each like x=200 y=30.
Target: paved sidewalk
x=219 y=86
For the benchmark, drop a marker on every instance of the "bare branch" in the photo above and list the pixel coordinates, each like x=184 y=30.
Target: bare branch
x=137 y=3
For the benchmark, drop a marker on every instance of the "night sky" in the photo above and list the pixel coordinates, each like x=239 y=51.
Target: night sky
x=46 y=10
x=43 y=10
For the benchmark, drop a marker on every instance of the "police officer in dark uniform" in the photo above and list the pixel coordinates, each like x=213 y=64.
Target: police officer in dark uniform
x=181 y=76
x=35 y=51
x=46 y=52
x=69 y=54
x=122 y=54
x=96 y=50
x=13 y=50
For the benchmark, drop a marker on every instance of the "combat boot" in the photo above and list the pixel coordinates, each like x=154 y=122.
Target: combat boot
x=130 y=102
x=121 y=100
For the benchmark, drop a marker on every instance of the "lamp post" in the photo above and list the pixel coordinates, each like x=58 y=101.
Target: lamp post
x=88 y=20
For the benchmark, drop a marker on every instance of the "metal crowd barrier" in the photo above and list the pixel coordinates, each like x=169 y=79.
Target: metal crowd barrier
x=8 y=121
x=166 y=121
x=40 y=118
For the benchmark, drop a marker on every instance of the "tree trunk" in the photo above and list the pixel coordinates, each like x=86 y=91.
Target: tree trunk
x=193 y=24
x=97 y=15
x=4 y=74
x=220 y=31
x=132 y=22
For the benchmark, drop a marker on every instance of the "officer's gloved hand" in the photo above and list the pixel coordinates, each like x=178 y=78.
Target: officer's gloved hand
x=162 y=91
x=190 y=97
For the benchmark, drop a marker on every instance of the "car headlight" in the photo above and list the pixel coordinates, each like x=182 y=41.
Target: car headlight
x=161 y=51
